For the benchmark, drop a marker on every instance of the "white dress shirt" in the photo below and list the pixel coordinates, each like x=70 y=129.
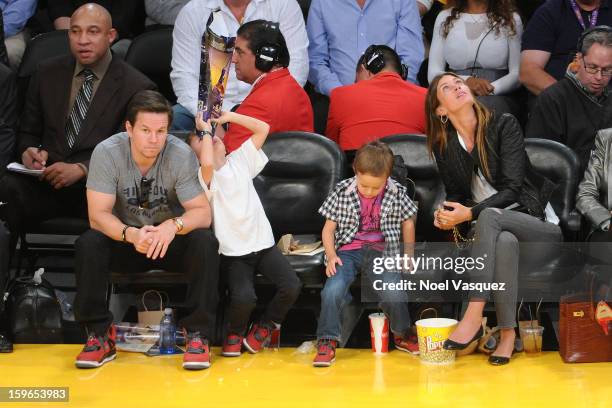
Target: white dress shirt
x=189 y=28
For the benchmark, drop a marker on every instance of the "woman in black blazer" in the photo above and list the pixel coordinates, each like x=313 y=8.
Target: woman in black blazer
x=489 y=181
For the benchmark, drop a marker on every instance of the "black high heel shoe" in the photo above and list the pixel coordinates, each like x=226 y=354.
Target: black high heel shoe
x=500 y=360
x=453 y=345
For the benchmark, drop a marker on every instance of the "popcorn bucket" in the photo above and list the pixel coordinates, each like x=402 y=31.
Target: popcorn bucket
x=379 y=333
x=432 y=333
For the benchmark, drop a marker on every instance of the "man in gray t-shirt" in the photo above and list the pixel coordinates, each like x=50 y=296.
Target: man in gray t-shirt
x=147 y=211
x=150 y=199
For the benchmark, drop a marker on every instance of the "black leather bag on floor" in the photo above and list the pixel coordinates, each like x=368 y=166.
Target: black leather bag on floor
x=34 y=312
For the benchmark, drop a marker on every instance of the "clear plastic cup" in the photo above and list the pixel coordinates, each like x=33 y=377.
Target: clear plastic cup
x=532 y=339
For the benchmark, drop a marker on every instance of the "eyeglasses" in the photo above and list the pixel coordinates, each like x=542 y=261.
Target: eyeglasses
x=605 y=72
x=143 y=192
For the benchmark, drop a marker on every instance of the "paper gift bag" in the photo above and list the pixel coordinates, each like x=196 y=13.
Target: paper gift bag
x=148 y=317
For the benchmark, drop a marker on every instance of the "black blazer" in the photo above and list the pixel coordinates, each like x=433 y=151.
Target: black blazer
x=8 y=116
x=44 y=116
x=510 y=171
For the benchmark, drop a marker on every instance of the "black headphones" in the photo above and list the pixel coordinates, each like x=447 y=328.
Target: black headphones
x=374 y=60
x=594 y=29
x=267 y=55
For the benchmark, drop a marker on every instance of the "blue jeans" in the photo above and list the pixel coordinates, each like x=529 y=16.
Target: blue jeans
x=336 y=295
x=183 y=119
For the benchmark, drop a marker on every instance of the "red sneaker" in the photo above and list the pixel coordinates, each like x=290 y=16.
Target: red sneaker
x=232 y=345
x=409 y=344
x=258 y=337
x=98 y=350
x=197 y=352
x=326 y=353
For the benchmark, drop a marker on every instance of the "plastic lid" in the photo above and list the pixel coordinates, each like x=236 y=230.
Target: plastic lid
x=168 y=311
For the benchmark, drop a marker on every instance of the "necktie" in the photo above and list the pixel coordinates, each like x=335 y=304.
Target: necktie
x=80 y=107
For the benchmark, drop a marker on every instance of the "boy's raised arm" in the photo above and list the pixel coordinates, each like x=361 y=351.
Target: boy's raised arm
x=259 y=128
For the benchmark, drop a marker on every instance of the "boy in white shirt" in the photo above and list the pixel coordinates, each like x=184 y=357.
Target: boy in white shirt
x=246 y=242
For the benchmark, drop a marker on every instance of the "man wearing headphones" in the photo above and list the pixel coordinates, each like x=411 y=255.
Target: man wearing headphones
x=380 y=103
x=339 y=31
x=261 y=59
x=572 y=110
x=229 y=15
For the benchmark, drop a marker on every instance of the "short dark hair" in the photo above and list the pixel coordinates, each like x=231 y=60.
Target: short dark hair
x=148 y=101
x=260 y=33
x=392 y=59
x=375 y=159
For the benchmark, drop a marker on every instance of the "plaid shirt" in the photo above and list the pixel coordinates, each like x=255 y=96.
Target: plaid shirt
x=343 y=207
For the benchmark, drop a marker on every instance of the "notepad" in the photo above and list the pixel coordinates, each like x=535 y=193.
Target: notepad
x=20 y=168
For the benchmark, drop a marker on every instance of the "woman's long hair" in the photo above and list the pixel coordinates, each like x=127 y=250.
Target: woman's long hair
x=437 y=135
x=499 y=13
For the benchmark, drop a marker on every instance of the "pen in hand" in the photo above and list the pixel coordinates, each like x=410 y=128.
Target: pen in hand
x=38 y=160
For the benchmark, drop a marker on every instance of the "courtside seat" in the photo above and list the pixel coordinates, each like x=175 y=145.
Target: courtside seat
x=303 y=168
x=429 y=190
x=151 y=54
x=560 y=164
x=62 y=226
x=151 y=277
x=40 y=48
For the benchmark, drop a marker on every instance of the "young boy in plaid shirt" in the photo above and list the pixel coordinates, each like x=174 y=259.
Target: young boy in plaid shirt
x=367 y=211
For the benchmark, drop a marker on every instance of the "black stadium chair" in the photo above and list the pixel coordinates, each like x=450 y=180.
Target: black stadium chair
x=423 y=171
x=40 y=48
x=151 y=54
x=303 y=168
x=560 y=164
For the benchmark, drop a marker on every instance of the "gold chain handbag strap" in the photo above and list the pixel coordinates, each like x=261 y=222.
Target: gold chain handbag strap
x=460 y=241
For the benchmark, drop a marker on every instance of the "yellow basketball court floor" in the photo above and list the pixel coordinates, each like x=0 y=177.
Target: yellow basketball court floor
x=285 y=378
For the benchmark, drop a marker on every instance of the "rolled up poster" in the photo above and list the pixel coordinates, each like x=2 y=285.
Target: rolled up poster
x=215 y=60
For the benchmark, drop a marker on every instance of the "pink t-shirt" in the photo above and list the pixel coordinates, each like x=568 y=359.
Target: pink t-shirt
x=369 y=225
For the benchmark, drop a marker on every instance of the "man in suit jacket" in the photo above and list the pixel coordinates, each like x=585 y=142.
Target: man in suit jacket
x=8 y=115
x=73 y=103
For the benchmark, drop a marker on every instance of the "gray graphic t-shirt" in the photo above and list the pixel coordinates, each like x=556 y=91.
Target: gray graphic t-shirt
x=172 y=180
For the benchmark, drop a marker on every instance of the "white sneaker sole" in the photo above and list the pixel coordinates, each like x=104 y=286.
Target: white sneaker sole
x=405 y=350
x=249 y=349
x=231 y=353
x=323 y=363
x=94 y=364
x=195 y=366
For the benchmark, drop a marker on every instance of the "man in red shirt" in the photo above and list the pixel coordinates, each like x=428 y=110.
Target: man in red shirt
x=261 y=58
x=380 y=103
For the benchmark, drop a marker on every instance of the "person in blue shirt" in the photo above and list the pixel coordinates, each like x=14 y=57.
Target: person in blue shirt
x=340 y=31
x=16 y=14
